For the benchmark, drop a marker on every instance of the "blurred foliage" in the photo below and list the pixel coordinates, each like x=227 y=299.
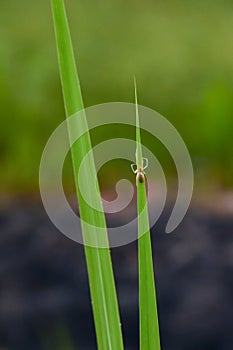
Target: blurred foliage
x=180 y=51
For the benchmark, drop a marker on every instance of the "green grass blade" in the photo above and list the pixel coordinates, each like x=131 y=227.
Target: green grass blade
x=139 y=160
x=148 y=317
x=99 y=265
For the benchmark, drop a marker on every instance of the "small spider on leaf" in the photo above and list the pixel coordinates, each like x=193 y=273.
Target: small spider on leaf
x=140 y=170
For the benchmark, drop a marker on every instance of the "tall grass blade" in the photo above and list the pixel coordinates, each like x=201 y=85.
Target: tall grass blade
x=148 y=318
x=99 y=265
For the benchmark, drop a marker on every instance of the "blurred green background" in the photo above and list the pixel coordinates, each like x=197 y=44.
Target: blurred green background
x=181 y=52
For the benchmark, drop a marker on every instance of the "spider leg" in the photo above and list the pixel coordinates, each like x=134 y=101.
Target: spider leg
x=145 y=163
x=134 y=168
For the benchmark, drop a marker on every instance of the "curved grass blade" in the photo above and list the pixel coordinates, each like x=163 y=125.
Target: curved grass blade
x=99 y=265
x=148 y=318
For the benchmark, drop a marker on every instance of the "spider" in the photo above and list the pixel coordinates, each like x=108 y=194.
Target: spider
x=140 y=170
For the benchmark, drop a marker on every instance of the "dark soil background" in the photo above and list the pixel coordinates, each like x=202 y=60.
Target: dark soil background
x=44 y=295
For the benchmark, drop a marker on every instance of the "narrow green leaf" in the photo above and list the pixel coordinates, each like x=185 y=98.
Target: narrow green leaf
x=139 y=160
x=99 y=265
x=148 y=318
